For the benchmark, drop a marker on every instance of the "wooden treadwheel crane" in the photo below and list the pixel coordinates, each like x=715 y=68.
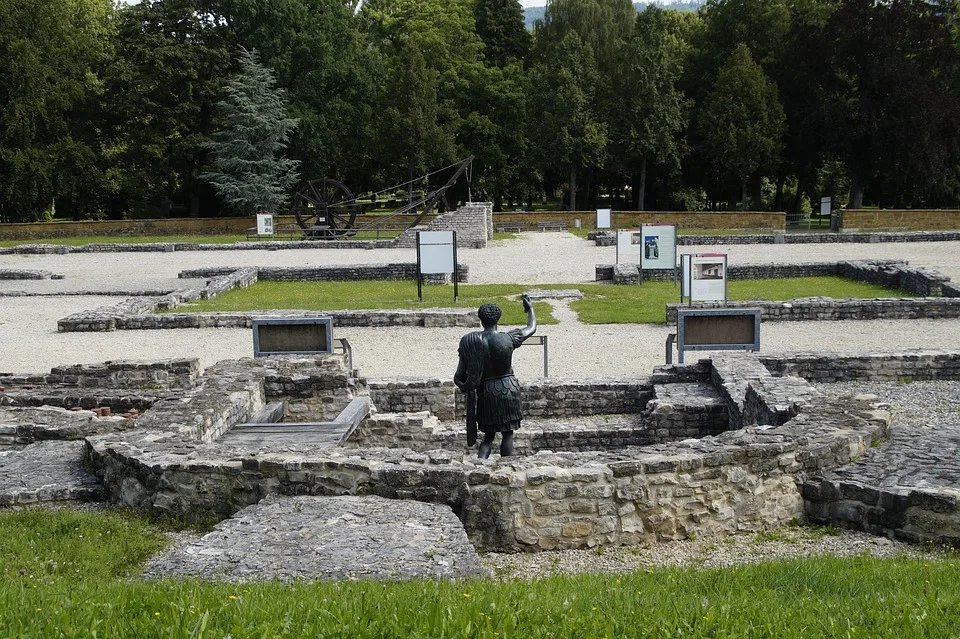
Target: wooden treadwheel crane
x=328 y=209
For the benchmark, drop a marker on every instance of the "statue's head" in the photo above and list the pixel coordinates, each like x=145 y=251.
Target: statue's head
x=489 y=315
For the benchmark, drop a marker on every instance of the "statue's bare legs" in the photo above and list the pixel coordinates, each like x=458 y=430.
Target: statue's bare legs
x=484 y=450
x=506 y=444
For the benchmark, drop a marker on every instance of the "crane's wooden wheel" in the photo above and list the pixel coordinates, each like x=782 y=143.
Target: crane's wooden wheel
x=325 y=208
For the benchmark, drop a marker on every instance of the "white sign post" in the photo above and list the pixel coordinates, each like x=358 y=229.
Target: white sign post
x=708 y=277
x=603 y=218
x=437 y=255
x=264 y=224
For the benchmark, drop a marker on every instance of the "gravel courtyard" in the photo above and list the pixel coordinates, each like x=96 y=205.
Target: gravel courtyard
x=32 y=344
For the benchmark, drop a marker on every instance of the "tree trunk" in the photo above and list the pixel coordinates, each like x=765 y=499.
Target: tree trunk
x=743 y=194
x=573 y=187
x=856 y=192
x=498 y=202
x=642 y=187
x=410 y=177
x=194 y=203
x=757 y=180
x=778 y=198
x=165 y=205
x=798 y=203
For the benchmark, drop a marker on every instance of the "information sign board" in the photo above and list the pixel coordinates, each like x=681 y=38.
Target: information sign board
x=603 y=218
x=708 y=277
x=264 y=224
x=659 y=246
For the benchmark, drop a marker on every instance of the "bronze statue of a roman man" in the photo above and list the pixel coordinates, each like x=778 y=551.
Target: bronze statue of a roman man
x=485 y=374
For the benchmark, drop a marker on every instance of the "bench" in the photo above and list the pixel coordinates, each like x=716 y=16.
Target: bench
x=510 y=228
x=552 y=225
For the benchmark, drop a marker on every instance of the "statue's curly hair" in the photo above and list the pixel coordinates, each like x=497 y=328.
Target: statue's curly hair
x=489 y=314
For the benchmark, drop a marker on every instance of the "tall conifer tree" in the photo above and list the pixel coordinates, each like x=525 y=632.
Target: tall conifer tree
x=251 y=173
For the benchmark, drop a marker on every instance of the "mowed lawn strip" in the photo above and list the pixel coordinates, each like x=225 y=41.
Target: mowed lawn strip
x=74 y=575
x=602 y=303
x=131 y=239
x=646 y=303
x=371 y=295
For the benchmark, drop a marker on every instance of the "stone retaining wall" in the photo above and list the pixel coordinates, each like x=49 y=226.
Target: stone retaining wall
x=900 y=219
x=909 y=514
x=732 y=481
x=472 y=222
x=883 y=367
x=542 y=399
x=609 y=238
x=340 y=273
x=829 y=309
x=122 y=374
x=28 y=274
x=892 y=274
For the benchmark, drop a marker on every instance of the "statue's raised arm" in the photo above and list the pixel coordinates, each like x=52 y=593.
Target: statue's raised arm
x=531 y=326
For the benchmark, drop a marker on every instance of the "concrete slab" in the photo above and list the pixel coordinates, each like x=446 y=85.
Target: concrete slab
x=328 y=538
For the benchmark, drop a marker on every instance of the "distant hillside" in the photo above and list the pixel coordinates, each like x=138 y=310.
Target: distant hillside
x=532 y=14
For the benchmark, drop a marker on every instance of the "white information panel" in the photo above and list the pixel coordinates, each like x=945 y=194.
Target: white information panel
x=264 y=224
x=824 y=206
x=436 y=252
x=708 y=277
x=629 y=246
x=603 y=218
x=659 y=246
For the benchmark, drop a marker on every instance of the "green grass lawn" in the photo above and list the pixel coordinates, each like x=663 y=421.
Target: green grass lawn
x=370 y=294
x=65 y=574
x=131 y=239
x=602 y=303
x=583 y=232
x=612 y=304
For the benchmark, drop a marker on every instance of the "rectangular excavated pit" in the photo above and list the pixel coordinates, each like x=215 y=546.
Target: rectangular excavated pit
x=266 y=427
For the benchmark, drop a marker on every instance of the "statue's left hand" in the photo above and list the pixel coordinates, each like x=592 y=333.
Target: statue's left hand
x=526 y=303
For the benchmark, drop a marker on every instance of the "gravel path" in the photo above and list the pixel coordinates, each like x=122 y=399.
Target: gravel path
x=783 y=543
x=32 y=345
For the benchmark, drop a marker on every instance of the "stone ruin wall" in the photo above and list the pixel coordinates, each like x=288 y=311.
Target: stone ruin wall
x=738 y=480
x=473 y=223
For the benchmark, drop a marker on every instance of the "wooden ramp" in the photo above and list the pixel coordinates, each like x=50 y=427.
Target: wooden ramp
x=271 y=433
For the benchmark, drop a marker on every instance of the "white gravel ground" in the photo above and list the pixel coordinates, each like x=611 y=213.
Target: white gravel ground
x=31 y=344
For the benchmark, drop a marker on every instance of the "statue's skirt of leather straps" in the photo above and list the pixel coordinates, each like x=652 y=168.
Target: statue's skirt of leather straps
x=499 y=406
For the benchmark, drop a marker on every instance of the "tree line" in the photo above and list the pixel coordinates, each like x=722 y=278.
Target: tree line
x=109 y=111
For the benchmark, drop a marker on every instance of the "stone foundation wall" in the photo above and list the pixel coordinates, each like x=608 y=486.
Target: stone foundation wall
x=732 y=481
x=827 y=309
x=341 y=273
x=912 y=515
x=120 y=374
x=472 y=222
x=540 y=399
x=315 y=391
x=28 y=274
x=892 y=274
x=884 y=367
x=736 y=481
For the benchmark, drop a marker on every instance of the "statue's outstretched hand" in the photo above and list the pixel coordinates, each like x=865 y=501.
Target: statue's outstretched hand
x=526 y=303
